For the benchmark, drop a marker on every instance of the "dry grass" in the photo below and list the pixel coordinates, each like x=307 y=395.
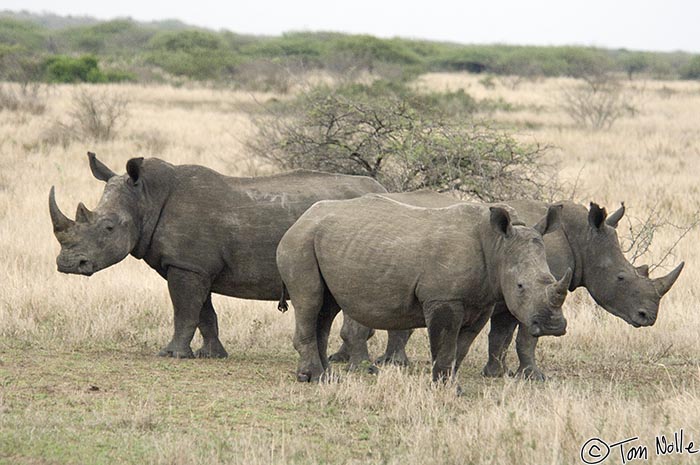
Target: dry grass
x=62 y=334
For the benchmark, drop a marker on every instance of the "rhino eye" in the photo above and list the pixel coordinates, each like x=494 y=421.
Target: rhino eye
x=520 y=285
x=620 y=278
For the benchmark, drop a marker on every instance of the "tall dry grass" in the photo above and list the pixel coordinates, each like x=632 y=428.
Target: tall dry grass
x=607 y=379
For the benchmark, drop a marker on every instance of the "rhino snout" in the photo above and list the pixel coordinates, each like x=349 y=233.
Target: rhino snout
x=548 y=325
x=642 y=318
x=77 y=265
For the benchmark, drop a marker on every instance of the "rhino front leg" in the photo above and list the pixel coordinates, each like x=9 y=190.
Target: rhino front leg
x=209 y=327
x=443 y=320
x=503 y=325
x=188 y=292
x=525 y=346
x=354 y=348
x=468 y=333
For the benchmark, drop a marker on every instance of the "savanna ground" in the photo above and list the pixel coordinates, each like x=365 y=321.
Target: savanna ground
x=80 y=381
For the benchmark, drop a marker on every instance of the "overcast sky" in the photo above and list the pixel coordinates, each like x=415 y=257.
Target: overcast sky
x=634 y=24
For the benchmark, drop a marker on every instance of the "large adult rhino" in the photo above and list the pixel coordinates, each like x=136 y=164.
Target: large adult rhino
x=202 y=231
x=394 y=266
x=586 y=243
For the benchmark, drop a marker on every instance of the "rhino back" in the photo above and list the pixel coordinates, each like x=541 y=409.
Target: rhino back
x=382 y=259
x=228 y=228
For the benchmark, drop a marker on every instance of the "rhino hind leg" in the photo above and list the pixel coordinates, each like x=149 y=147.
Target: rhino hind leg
x=395 y=353
x=209 y=327
x=328 y=312
x=525 y=346
x=188 y=292
x=354 y=348
x=503 y=325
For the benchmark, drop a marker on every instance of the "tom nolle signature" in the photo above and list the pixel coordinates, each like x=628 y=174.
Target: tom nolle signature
x=596 y=450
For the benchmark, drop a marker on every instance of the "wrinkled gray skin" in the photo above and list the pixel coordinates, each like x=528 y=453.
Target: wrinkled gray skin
x=394 y=266
x=586 y=243
x=202 y=231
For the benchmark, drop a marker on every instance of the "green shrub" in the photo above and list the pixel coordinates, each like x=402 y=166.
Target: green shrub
x=66 y=70
x=692 y=69
x=402 y=139
x=192 y=53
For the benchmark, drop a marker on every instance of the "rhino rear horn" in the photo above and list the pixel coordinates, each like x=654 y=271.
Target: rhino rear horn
x=551 y=221
x=642 y=270
x=664 y=283
x=82 y=214
x=60 y=221
x=596 y=216
x=99 y=169
x=615 y=218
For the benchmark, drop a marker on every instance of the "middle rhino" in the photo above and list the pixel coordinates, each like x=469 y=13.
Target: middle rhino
x=390 y=265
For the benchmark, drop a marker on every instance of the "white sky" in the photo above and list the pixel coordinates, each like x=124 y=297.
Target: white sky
x=665 y=25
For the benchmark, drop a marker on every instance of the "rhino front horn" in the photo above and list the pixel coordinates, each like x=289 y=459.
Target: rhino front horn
x=664 y=283
x=557 y=291
x=60 y=221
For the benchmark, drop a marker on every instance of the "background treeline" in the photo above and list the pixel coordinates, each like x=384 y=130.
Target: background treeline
x=56 y=49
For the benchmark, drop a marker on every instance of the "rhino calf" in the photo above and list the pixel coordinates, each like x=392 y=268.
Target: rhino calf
x=389 y=265
x=586 y=243
x=202 y=231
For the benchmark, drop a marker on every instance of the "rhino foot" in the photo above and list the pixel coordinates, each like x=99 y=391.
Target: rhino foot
x=531 y=373
x=209 y=353
x=494 y=370
x=341 y=356
x=211 y=349
x=365 y=366
x=166 y=352
x=399 y=359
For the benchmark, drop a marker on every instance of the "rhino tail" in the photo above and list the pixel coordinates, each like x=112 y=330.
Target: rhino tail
x=282 y=305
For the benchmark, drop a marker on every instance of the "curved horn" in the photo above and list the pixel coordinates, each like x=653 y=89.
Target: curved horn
x=664 y=283
x=616 y=216
x=60 y=221
x=82 y=214
x=558 y=294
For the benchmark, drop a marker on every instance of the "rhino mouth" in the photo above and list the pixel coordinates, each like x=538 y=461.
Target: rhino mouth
x=638 y=319
x=546 y=326
x=81 y=266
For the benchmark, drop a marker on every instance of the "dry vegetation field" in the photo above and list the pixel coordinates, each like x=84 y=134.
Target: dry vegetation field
x=80 y=382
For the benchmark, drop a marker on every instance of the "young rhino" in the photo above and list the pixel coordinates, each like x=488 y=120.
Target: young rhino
x=200 y=230
x=586 y=243
x=390 y=265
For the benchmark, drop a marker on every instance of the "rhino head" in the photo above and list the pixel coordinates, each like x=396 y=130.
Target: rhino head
x=100 y=238
x=532 y=294
x=613 y=282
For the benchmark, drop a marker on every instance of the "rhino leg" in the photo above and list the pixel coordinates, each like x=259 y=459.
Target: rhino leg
x=328 y=312
x=443 y=320
x=468 y=333
x=188 y=291
x=503 y=325
x=395 y=352
x=209 y=327
x=354 y=348
x=525 y=346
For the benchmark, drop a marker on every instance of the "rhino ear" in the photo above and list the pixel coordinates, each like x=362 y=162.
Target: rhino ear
x=551 y=221
x=99 y=169
x=596 y=216
x=133 y=168
x=500 y=221
x=616 y=216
